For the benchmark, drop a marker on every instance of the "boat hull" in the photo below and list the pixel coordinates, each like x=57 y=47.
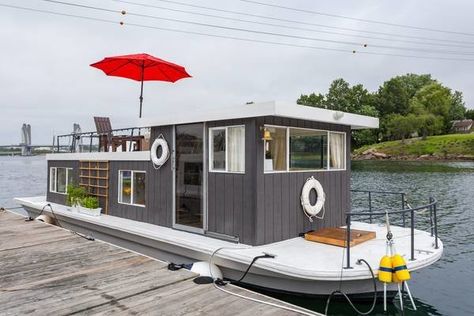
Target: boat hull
x=257 y=278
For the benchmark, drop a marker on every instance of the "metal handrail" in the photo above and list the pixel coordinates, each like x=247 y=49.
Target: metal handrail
x=432 y=206
x=73 y=137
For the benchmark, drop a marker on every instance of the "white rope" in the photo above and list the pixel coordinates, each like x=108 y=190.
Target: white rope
x=220 y=288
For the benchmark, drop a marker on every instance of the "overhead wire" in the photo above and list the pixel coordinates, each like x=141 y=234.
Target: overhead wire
x=146 y=5
x=242 y=13
x=356 y=19
x=231 y=28
x=232 y=37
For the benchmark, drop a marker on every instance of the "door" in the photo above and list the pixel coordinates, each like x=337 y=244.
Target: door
x=189 y=177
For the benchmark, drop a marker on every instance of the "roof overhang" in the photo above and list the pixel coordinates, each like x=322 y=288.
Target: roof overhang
x=280 y=109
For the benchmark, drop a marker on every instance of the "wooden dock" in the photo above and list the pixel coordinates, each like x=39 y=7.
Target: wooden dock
x=46 y=270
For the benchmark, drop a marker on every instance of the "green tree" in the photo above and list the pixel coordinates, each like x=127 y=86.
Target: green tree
x=313 y=99
x=435 y=99
x=470 y=114
x=395 y=94
x=401 y=126
x=429 y=124
x=457 y=110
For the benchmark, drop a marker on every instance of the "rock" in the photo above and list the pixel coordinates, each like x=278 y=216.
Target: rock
x=380 y=155
x=368 y=151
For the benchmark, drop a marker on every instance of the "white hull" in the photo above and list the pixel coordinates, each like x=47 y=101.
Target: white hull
x=300 y=267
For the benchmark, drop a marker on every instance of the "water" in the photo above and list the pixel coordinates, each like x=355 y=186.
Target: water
x=445 y=288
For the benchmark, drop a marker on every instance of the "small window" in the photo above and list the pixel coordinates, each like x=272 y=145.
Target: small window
x=132 y=186
x=337 y=150
x=227 y=149
x=275 y=149
x=308 y=149
x=59 y=179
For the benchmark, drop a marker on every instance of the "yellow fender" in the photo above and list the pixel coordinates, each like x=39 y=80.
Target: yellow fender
x=385 y=269
x=400 y=268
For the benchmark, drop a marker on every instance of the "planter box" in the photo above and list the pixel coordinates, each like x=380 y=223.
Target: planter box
x=89 y=211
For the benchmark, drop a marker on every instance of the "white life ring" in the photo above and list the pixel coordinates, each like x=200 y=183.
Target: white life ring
x=309 y=209
x=165 y=151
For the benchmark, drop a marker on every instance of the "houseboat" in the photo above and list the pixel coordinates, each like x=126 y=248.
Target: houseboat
x=236 y=183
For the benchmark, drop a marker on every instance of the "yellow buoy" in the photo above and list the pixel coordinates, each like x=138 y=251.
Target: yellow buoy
x=385 y=269
x=400 y=268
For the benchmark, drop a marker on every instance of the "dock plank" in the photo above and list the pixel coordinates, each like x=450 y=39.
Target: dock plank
x=46 y=270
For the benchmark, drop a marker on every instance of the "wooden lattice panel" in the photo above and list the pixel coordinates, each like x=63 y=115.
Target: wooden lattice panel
x=94 y=176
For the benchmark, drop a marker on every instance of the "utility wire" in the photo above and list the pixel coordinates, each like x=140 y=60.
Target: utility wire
x=146 y=5
x=229 y=28
x=232 y=37
x=312 y=24
x=357 y=19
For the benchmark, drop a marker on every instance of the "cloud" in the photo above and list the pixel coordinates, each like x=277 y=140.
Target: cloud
x=46 y=80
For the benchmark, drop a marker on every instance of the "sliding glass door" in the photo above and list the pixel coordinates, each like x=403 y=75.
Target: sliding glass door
x=189 y=177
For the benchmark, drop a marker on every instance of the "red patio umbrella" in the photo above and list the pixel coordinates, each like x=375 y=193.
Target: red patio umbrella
x=141 y=67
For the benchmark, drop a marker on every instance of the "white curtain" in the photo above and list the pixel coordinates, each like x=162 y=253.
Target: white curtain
x=336 y=150
x=236 y=149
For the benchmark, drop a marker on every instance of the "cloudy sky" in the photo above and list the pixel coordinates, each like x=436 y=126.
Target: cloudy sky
x=45 y=79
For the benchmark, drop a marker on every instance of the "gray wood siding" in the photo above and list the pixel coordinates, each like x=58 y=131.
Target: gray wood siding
x=158 y=195
x=58 y=197
x=231 y=196
x=279 y=214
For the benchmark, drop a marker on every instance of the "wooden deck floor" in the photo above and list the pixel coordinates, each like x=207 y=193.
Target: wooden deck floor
x=46 y=270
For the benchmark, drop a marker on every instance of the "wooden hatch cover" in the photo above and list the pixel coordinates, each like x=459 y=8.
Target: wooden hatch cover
x=337 y=236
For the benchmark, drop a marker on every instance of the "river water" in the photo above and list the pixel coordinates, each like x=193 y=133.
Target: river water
x=445 y=288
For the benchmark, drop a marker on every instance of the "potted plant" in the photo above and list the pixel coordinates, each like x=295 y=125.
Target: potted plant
x=89 y=205
x=74 y=196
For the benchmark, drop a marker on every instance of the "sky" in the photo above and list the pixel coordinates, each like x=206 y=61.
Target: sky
x=46 y=81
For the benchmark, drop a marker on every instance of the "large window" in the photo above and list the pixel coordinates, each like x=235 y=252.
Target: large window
x=227 y=149
x=301 y=149
x=59 y=179
x=275 y=149
x=132 y=187
x=308 y=149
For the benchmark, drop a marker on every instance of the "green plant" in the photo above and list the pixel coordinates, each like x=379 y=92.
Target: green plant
x=75 y=194
x=90 y=202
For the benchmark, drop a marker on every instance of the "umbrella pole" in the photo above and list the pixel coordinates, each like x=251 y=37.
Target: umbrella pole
x=141 y=88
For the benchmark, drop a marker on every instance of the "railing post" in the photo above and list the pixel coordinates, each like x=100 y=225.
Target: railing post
x=435 y=225
x=57 y=142
x=370 y=207
x=131 y=142
x=412 y=235
x=90 y=143
x=403 y=207
x=348 y=241
x=431 y=216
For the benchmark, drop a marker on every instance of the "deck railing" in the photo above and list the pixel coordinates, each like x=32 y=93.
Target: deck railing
x=125 y=138
x=405 y=210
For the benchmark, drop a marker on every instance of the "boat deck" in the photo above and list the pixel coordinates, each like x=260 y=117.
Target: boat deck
x=294 y=258
x=46 y=270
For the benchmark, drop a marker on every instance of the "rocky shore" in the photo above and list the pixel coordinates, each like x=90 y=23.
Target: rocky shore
x=373 y=154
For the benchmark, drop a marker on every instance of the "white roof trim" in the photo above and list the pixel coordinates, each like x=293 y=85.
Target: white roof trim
x=281 y=109
x=105 y=156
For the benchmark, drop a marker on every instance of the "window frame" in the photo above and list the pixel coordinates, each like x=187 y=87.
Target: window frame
x=119 y=193
x=327 y=169
x=211 y=149
x=55 y=182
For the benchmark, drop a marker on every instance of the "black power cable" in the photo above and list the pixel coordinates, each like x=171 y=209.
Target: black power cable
x=349 y=300
x=251 y=264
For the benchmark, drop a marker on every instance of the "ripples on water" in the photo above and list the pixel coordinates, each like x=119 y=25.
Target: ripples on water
x=445 y=288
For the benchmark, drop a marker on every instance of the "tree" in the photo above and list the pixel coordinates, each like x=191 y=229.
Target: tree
x=400 y=127
x=470 y=114
x=434 y=99
x=457 y=110
x=395 y=94
x=429 y=124
x=316 y=100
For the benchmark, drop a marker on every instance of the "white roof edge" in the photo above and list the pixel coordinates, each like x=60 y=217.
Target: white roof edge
x=105 y=156
x=271 y=108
